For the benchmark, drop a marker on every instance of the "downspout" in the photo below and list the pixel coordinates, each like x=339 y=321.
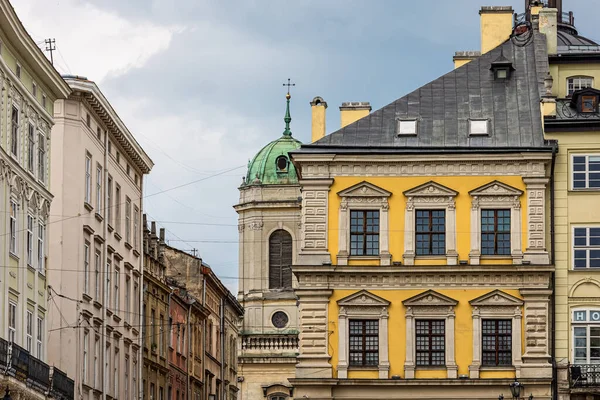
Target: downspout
x=140 y=361
x=103 y=265
x=553 y=277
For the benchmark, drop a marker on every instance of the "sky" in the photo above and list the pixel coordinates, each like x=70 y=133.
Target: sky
x=199 y=83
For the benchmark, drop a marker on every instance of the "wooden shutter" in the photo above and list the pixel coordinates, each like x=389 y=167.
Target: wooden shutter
x=280 y=260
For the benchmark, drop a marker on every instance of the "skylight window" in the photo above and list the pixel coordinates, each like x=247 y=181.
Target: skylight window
x=407 y=127
x=479 y=127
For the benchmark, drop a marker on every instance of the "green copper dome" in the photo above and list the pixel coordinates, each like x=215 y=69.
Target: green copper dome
x=272 y=165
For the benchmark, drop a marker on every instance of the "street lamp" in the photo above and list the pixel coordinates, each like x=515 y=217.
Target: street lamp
x=7 y=395
x=515 y=389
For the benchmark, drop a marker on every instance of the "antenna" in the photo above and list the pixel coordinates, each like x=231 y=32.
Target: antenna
x=51 y=46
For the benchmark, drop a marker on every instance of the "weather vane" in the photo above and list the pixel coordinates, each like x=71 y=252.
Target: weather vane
x=289 y=85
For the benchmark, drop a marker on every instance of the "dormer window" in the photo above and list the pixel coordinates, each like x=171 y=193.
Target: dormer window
x=502 y=67
x=585 y=100
x=589 y=104
x=407 y=127
x=282 y=164
x=479 y=127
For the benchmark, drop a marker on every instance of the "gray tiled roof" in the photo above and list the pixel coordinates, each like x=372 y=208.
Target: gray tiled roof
x=444 y=106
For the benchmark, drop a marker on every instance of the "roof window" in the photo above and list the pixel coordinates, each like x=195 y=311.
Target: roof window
x=479 y=127
x=282 y=163
x=407 y=126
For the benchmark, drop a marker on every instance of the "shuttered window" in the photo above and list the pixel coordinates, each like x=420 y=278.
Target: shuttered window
x=280 y=260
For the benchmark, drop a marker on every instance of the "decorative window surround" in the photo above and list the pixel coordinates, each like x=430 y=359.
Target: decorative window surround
x=364 y=196
x=430 y=305
x=363 y=305
x=430 y=196
x=496 y=195
x=496 y=305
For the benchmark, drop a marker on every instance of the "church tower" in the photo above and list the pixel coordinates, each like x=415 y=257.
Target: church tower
x=269 y=228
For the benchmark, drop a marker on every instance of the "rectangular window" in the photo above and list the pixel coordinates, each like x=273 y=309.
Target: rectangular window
x=41 y=158
x=136 y=225
x=478 y=127
x=107 y=366
x=99 y=189
x=364 y=233
x=161 y=338
x=152 y=329
x=109 y=200
x=495 y=232
x=586 y=247
x=152 y=391
x=40 y=335
x=407 y=127
x=12 y=321
x=86 y=267
x=86 y=345
x=108 y=287
x=126 y=383
x=34 y=89
x=587 y=344
x=99 y=133
x=496 y=342
x=430 y=342
x=136 y=301
x=88 y=120
x=117 y=208
x=40 y=247
x=116 y=373
x=31 y=148
x=13 y=227
x=134 y=379
x=44 y=100
x=117 y=282
x=127 y=298
x=127 y=220
x=578 y=83
x=14 y=138
x=364 y=342
x=430 y=232
x=97 y=275
x=18 y=71
x=88 y=178
x=96 y=360
x=29 y=331
x=30 y=240
x=586 y=172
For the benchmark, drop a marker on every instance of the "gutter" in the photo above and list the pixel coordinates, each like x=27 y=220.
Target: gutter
x=553 y=277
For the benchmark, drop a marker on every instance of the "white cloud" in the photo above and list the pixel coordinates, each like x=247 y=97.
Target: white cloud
x=94 y=43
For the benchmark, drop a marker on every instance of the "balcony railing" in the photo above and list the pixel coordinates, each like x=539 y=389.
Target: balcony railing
x=584 y=375
x=16 y=362
x=270 y=343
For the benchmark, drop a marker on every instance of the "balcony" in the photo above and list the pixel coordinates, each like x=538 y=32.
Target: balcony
x=16 y=362
x=584 y=375
x=276 y=344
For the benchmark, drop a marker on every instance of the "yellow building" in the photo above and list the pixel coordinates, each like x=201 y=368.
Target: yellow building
x=423 y=261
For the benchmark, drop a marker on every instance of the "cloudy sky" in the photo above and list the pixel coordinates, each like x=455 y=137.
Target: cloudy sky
x=199 y=82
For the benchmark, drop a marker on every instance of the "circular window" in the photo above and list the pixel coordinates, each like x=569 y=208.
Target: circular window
x=282 y=163
x=279 y=319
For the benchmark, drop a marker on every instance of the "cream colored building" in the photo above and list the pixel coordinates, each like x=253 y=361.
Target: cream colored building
x=96 y=246
x=29 y=85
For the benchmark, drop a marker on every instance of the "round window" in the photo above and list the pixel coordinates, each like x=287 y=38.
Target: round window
x=282 y=163
x=279 y=319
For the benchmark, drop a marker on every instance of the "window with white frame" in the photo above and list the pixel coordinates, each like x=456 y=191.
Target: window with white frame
x=118 y=208
x=40 y=335
x=12 y=321
x=586 y=171
x=88 y=178
x=117 y=282
x=41 y=157
x=407 y=126
x=116 y=373
x=126 y=383
x=136 y=225
x=13 y=227
x=134 y=378
x=31 y=148
x=97 y=261
x=86 y=349
x=136 y=302
x=127 y=220
x=577 y=83
x=29 y=239
x=99 y=189
x=586 y=247
x=14 y=132
x=86 y=267
x=106 y=375
x=108 y=287
x=29 y=331
x=40 y=247
x=109 y=185
x=96 y=360
x=127 y=298
x=586 y=336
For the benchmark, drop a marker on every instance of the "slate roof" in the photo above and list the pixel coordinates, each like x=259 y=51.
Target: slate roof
x=444 y=106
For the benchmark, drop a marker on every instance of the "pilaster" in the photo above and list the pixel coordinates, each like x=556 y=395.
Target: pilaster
x=313 y=243
x=536 y=251
x=536 y=358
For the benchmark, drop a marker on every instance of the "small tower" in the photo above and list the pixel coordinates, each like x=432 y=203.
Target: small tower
x=269 y=230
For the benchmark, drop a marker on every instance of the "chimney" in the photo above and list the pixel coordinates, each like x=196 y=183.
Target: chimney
x=548 y=24
x=463 y=57
x=318 y=107
x=352 y=111
x=496 y=26
x=153 y=238
x=161 y=244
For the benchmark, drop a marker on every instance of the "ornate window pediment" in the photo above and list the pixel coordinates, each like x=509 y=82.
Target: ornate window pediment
x=430 y=298
x=363 y=298
x=364 y=189
x=497 y=191
x=430 y=189
x=495 y=299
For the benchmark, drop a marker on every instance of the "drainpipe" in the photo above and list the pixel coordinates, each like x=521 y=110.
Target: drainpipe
x=553 y=277
x=103 y=265
x=140 y=361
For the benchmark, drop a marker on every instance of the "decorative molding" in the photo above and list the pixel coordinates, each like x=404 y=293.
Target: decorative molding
x=256 y=225
x=313 y=242
x=364 y=189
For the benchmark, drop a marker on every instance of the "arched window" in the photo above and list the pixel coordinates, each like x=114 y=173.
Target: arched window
x=280 y=260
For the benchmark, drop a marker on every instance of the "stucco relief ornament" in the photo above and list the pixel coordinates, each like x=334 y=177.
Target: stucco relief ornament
x=241 y=228
x=384 y=204
x=410 y=204
x=255 y=226
x=344 y=204
x=475 y=203
x=516 y=202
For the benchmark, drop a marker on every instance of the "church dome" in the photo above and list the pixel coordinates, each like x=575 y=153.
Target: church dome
x=272 y=165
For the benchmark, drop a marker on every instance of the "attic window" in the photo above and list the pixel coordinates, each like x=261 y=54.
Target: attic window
x=18 y=71
x=589 y=104
x=407 y=127
x=479 y=127
x=282 y=164
x=577 y=83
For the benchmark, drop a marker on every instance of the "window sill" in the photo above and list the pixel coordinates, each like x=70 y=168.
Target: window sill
x=496 y=257
x=86 y=387
x=436 y=257
x=584 y=190
x=108 y=312
x=116 y=318
x=118 y=236
x=86 y=297
x=136 y=253
x=128 y=246
x=13 y=256
x=586 y=269
x=99 y=217
x=110 y=228
x=363 y=368
x=126 y=325
x=88 y=206
x=431 y=367
x=497 y=368
x=97 y=304
x=364 y=257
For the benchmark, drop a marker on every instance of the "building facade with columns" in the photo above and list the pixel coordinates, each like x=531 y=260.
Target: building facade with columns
x=29 y=85
x=423 y=260
x=96 y=246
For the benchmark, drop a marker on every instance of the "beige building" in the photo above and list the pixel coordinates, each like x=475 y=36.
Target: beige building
x=269 y=229
x=96 y=246
x=29 y=85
